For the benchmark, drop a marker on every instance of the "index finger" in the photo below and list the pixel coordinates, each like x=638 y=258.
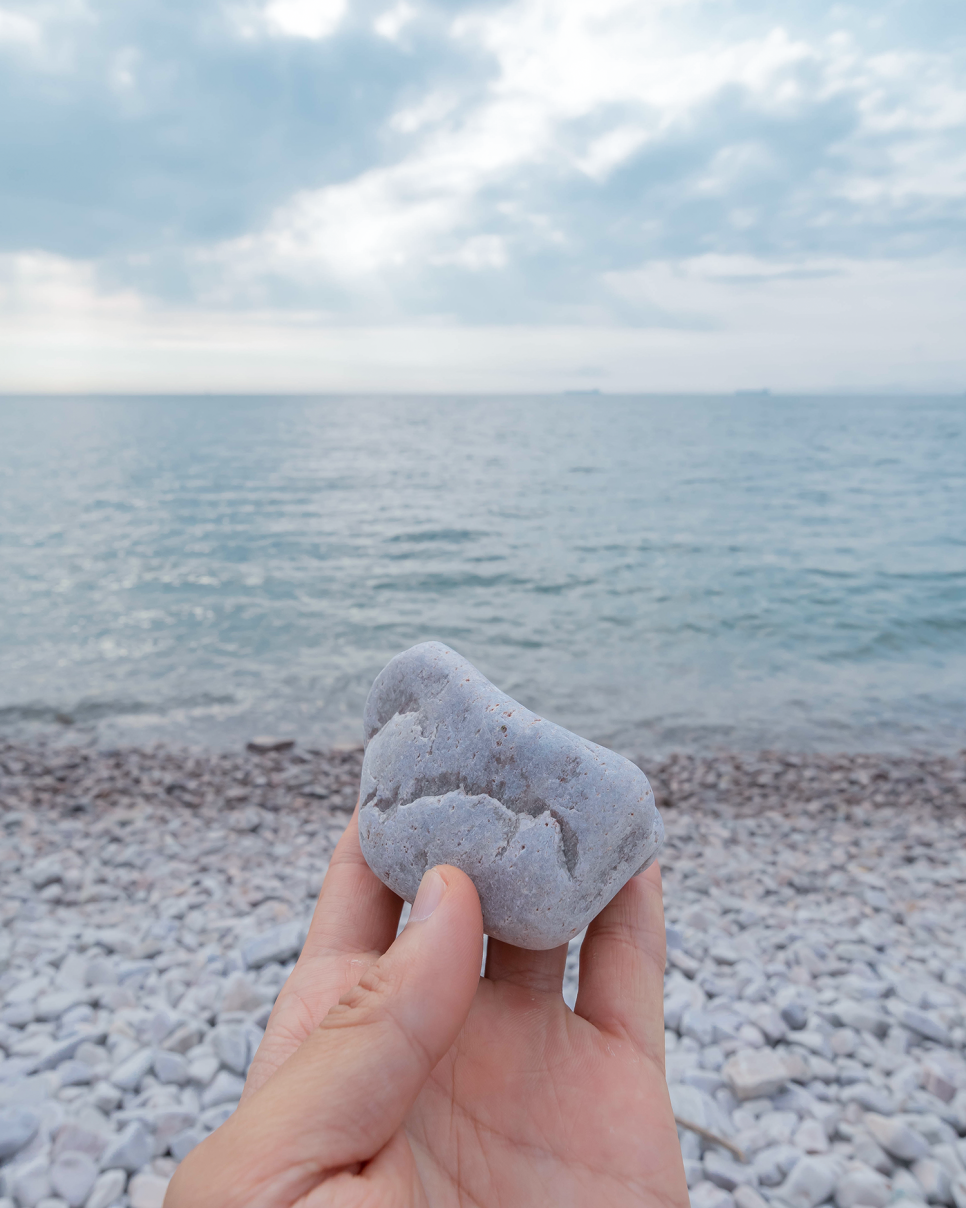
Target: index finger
x=622 y=966
x=355 y=921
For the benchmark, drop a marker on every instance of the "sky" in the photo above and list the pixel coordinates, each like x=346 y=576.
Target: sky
x=530 y=195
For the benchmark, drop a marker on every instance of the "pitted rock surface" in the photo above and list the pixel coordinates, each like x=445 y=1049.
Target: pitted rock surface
x=548 y=825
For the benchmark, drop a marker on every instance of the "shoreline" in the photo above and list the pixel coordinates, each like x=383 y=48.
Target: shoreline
x=153 y=901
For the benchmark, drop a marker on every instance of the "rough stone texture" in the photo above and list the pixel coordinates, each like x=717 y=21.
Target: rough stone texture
x=548 y=825
x=754 y=1073
x=861 y=1185
x=17 y=1127
x=72 y=1177
x=147 y=1191
x=108 y=1188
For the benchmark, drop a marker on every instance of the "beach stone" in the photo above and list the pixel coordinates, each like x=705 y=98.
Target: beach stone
x=774 y=1163
x=171 y=1068
x=231 y=1045
x=129 y=1073
x=31 y=1183
x=548 y=825
x=811 y=1182
x=957 y=1189
x=130 y=1149
x=264 y=744
x=709 y=1195
x=725 y=1172
x=108 y=1187
x=896 y=1137
x=753 y=1073
x=747 y=1197
x=183 y=1143
x=147 y=1191
x=862 y=1185
x=280 y=944
x=75 y=1138
x=72 y=1177
x=226 y=1088
x=934 y=1180
x=811 y=1137
x=242 y=995
x=18 y=1125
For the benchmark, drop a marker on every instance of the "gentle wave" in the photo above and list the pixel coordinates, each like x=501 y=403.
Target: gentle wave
x=650 y=572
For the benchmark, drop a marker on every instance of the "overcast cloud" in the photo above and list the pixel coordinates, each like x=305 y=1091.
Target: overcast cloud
x=337 y=194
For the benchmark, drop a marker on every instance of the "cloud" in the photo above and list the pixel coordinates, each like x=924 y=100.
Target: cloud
x=538 y=163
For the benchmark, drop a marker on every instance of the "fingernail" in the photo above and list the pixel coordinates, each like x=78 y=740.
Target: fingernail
x=431 y=890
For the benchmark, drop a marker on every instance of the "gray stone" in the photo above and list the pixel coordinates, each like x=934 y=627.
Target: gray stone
x=920 y=1022
x=548 y=825
x=795 y=1015
x=264 y=744
x=948 y=1157
x=105 y=1096
x=184 y=1038
x=725 y=1172
x=74 y=1073
x=934 y=1180
x=231 y=1045
x=72 y=1176
x=18 y=1126
x=147 y=1191
x=183 y=1143
x=63 y=1050
x=810 y=1137
x=870 y=1098
x=129 y=1073
x=698 y=1107
x=863 y=1016
x=811 y=1182
x=171 y=1068
x=242 y=995
x=708 y=1195
x=203 y=1068
x=747 y=1197
x=896 y=1138
x=693 y=1171
x=280 y=944
x=957 y=1188
x=773 y=1164
x=215 y=1117
x=108 y=1188
x=862 y=1185
x=73 y=1137
x=226 y=1088
x=753 y=1073
x=130 y=1150
x=31 y=1183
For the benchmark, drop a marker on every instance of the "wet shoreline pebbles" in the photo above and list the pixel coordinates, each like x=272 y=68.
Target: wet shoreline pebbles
x=152 y=902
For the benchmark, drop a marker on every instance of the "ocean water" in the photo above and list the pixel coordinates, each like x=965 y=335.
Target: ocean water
x=653 y=572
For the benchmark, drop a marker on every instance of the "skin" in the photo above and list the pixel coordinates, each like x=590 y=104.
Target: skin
x=391 y=1074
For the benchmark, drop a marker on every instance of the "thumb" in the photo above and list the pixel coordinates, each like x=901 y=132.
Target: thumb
x=344 y=1093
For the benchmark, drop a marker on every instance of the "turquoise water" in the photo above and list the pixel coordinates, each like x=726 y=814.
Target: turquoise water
x=654 y=573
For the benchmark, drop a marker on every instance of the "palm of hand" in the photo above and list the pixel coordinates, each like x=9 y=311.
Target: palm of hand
x=532 y=1104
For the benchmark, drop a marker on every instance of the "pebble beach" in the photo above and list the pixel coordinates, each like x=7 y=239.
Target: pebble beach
x=153 y=901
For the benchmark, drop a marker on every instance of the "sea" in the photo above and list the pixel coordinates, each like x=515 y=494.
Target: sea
x=657 y=573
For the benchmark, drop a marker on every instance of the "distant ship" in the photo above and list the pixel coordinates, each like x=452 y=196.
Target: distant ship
x=752 y=393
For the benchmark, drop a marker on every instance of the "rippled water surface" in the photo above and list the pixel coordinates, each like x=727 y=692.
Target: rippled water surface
x=651 y=572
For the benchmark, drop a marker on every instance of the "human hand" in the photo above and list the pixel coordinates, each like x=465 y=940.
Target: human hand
x=391 y=1074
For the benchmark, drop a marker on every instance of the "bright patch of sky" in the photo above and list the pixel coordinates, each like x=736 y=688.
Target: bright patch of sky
x=362 y=194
